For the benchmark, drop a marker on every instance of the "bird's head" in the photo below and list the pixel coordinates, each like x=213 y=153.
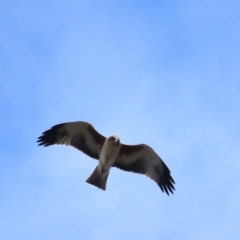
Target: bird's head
x=114 y=140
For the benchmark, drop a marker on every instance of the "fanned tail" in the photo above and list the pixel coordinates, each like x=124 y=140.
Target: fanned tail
x=96 y=180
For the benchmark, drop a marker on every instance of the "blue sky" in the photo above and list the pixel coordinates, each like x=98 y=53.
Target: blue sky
x=160 y=73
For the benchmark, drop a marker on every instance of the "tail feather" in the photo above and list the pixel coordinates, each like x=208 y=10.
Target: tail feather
x=96 y=180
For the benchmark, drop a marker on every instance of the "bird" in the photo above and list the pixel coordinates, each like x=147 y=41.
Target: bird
x=110 y=152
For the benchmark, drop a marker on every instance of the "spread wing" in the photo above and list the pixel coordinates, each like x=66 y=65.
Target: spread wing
x=142 y=159
x=80 y=135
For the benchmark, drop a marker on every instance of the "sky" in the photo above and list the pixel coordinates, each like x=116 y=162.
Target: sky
x=162 y=73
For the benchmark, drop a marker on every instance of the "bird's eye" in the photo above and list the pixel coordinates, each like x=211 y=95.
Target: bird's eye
x=112 y=138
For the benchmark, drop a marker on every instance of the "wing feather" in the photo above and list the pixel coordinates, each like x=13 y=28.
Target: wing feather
x=143 y=159
x=80 y=135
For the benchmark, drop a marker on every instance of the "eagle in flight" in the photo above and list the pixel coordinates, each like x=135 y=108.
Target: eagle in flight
x=110 y=152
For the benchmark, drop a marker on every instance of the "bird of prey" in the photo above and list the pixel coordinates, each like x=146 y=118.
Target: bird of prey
x=110 y=152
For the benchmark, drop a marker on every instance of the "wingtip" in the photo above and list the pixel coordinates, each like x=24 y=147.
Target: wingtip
x=46 y=139
x=167 y=186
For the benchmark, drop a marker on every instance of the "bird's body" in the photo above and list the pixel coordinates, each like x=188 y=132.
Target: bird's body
x=108 y=156
x=110 y=152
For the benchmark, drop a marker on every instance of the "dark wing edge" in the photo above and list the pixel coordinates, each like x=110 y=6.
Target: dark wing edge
x=158 y=172
x=52 y=135
x=165 y=180
x=80 y=135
